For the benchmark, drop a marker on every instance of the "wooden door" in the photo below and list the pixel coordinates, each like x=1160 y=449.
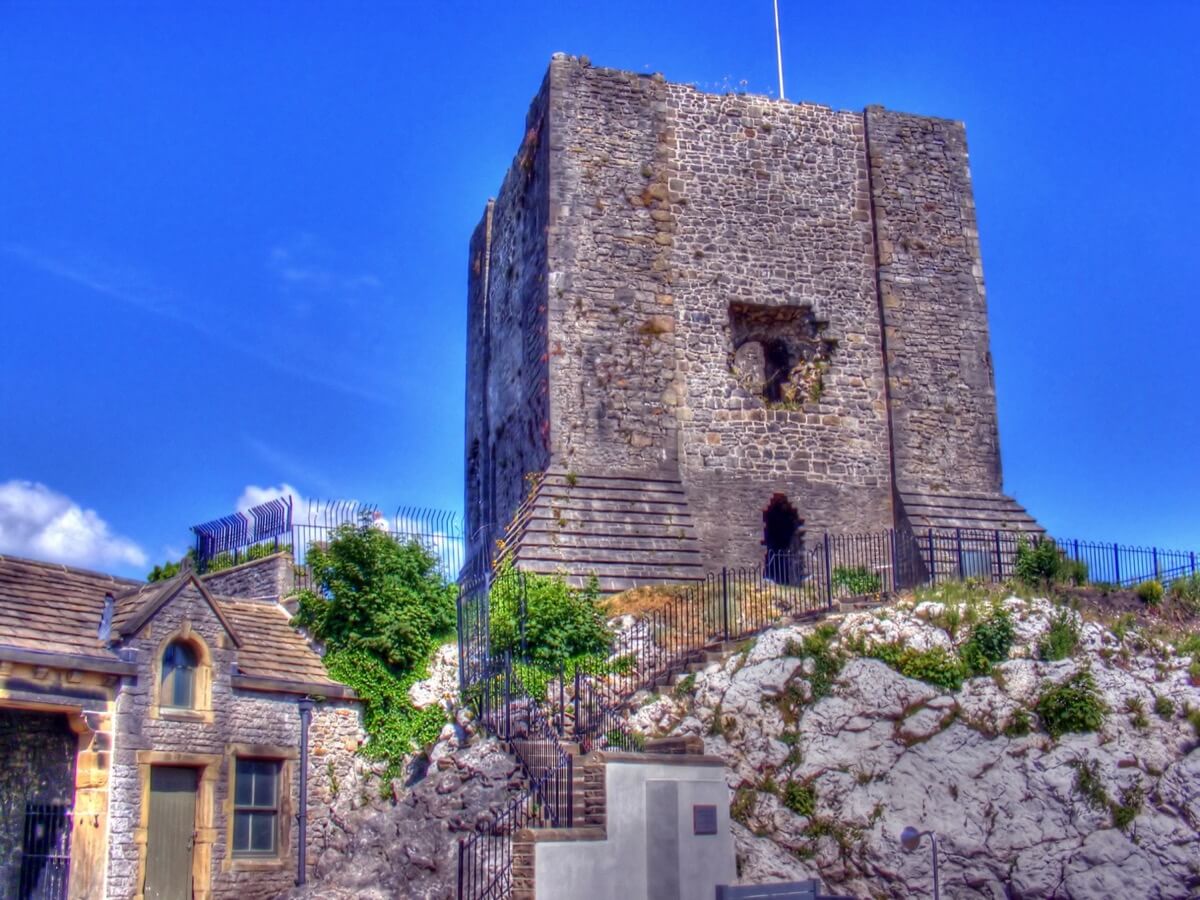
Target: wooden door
x=171 y=834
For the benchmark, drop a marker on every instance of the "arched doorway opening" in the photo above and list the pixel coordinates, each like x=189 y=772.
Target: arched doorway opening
x=783 y=536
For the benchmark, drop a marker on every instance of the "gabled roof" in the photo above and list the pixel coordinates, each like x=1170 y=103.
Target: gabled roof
x=135 y=608
x=50 y=613
x=48 y=607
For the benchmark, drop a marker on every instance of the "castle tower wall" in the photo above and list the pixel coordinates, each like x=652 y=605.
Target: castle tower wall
x=934 y=307
x=612 y=316
x=507 y=421
x=698 y=311
x=772 y=217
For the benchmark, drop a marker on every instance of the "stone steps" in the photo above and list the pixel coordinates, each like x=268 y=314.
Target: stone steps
x=626 y=529
x=966 y=511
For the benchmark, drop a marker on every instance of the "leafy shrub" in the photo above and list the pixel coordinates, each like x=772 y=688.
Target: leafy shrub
x=936 y=665
x=990 y=641
x=1073 y=706
x=827 y=664
x=1073 y=571
x=557 y=622
x=1150 y=592
x=1061 y=638
x=856 y=580
x=1019 y=725
x=800 y=798
x=377 y=594
x=381 y=610
x=1037 y=564
x=1137 y=713
x=745 y=799
x=1127 y=810
x=1193 y=717
x=1089 y=785
x=1121 y=627
x=395 y=726
x=1164 y=707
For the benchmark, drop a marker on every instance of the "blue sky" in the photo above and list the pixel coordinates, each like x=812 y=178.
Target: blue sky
x=233 y=238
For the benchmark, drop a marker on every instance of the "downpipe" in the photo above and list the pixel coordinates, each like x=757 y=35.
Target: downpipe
x=305 y=706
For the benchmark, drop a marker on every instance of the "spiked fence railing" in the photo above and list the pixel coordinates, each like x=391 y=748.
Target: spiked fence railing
x=278 y=525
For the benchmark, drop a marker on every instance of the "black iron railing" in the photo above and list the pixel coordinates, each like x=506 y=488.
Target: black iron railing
x=45 y=852
x=507 y=710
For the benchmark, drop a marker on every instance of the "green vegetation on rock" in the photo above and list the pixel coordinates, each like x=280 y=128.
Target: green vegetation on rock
x=1073 y=706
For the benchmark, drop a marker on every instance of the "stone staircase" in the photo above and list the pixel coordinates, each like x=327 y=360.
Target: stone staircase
x=966 y=511
x=627 y=530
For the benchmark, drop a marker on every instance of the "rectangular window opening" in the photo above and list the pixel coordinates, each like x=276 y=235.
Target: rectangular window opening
x=256 y=807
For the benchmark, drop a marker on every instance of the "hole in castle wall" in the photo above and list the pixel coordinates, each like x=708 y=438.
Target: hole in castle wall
x=783 y=536
x=779 y=352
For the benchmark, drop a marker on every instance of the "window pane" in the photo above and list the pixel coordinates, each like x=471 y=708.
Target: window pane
x=243 y=788
x=183 y=688
x=262 y=832
x=241 y=832
x=178 y=676
x=264 y=784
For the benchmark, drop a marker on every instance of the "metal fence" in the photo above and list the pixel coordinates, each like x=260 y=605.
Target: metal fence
x=45 y=852
x=279 y=525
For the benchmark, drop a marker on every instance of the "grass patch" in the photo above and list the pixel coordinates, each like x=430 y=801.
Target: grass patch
x=1062 y=638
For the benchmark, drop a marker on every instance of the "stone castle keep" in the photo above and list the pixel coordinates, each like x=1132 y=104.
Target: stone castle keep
x=708 y=325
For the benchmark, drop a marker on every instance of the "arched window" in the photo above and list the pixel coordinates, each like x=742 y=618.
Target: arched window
x=178 y=689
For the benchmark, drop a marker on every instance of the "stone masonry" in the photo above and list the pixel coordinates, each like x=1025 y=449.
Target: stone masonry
x=725 y=298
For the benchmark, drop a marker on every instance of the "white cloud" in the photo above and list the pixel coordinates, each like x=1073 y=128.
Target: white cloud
x=41 y=523
x=253 y=495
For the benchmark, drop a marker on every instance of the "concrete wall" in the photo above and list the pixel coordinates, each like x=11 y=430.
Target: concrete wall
x=649 y=852
x=37 y=765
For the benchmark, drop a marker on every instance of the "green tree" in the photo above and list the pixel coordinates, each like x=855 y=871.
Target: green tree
x=377 y=595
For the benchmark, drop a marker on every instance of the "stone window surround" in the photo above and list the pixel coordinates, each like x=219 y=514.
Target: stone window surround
x=208 y=766
x=288 y=758
x=202 y=707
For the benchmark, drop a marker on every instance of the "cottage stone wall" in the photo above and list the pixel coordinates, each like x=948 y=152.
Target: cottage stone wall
x=37 y=765
x=235 y=717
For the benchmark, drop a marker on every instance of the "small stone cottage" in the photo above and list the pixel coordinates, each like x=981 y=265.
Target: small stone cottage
x=169 y=740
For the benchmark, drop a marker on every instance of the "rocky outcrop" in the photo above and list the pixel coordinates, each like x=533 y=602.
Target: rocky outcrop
x=826 y=764
x=405 y=845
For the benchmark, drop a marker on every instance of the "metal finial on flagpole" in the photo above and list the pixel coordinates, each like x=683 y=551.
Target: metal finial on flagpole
x=779 y=50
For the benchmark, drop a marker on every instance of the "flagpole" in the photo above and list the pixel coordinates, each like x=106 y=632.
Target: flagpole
x=778 y=50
